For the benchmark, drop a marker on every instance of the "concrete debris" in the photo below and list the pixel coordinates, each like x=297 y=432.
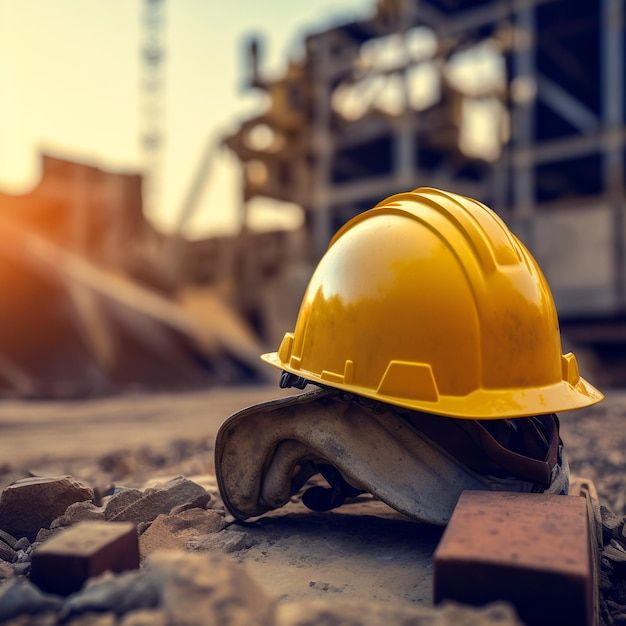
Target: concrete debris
x=144 y=617
x=10 y=540
x=82 y=552
x=79 y=512
x=33 y=503
x=227 y=541
x=21 y=569
x=120 y=594
x=351 y=613
x=613 y=570
x=93 y=619
x=45 y=533
x=198 y=503
x=6 y=571
x=19 y=596
x=209 y=590
x=616 y=555
x=120 y=500
x=162 y=500
x=21 y=544
x=611 y=525
x=175 y=530
x=193 y=583
x=41 y=619
x=7 y=553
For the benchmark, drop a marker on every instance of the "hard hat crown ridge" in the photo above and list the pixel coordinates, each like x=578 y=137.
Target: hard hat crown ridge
x=428 y=301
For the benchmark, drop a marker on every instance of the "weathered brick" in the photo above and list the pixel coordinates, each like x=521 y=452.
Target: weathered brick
x=64 y=563
x=532 y=550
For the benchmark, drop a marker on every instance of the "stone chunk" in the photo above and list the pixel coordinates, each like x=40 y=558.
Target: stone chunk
x=359 y=613
x=6 y=572
x=64 y=563
x=532 y=550
x=130 y=591
x=610 y=525
x=21 y=544
x=228 y=541
x=616 y=555
x=18 y=596
x=208 y=589
x=144 y=617
x=79 y=512
x=10 y=540
x=119 y=501
x=32 y=503
x=7 y=553
x=174 y=531
x=162 y=500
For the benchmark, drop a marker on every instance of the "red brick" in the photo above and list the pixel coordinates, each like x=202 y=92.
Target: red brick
x=64 y=563
x=532 y=550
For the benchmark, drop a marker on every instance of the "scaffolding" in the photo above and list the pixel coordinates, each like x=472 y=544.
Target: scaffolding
x=375 y=106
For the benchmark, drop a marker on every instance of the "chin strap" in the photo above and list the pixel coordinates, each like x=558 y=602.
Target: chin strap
x=320 y=498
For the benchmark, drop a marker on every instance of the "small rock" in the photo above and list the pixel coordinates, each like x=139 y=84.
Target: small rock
x=22 y=569
x=207 y=481
x=605 y=582
x=616 y=557
x=144 y=617
x=163 y=500
x=610 y=524
x=7 y=553
x=45 y=533
x=363 y=613
x=19 y=596
x=33 y=503
x=156 y=482
x=23 y=555
x=209 y=589
x=6 y=571
x=93 y=619
x=119 y=594
x=226 y=541
x=199 y=503
x=174 y=531
x=120 y=500
x=159 y=537
x=22 y=544
x=79 y=512
x=322 y=586
x=142 y=527
x=10 y=540
x=41 y=619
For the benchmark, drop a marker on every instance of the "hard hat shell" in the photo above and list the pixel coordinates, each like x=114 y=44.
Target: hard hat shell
x=428 y=301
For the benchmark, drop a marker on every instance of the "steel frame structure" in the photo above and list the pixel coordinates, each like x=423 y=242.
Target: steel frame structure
x=560 y=173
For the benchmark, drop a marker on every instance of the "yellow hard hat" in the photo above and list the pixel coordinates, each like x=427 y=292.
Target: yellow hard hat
x=429 y=302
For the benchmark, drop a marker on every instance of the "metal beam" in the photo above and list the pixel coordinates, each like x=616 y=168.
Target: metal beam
x=523 y=117
x=322 y=146
x=566 y=105
x=487 y=14
x=612 y=21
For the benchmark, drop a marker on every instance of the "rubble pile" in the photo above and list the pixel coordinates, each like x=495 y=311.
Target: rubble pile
x=184 y=578
x=595 y=440
x=613 y=569
x=145 y=487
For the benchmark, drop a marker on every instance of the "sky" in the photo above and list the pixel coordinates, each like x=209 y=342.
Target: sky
x=70 y=85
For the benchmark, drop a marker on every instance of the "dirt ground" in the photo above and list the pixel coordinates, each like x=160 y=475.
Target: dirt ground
x=363 y=550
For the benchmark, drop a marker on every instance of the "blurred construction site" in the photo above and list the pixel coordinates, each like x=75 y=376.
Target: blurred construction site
x=518 y=103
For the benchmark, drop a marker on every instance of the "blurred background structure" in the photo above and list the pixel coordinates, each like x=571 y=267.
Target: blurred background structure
x=519 y=103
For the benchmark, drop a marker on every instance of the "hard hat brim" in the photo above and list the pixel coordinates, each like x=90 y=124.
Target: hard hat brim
x=483 y=404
